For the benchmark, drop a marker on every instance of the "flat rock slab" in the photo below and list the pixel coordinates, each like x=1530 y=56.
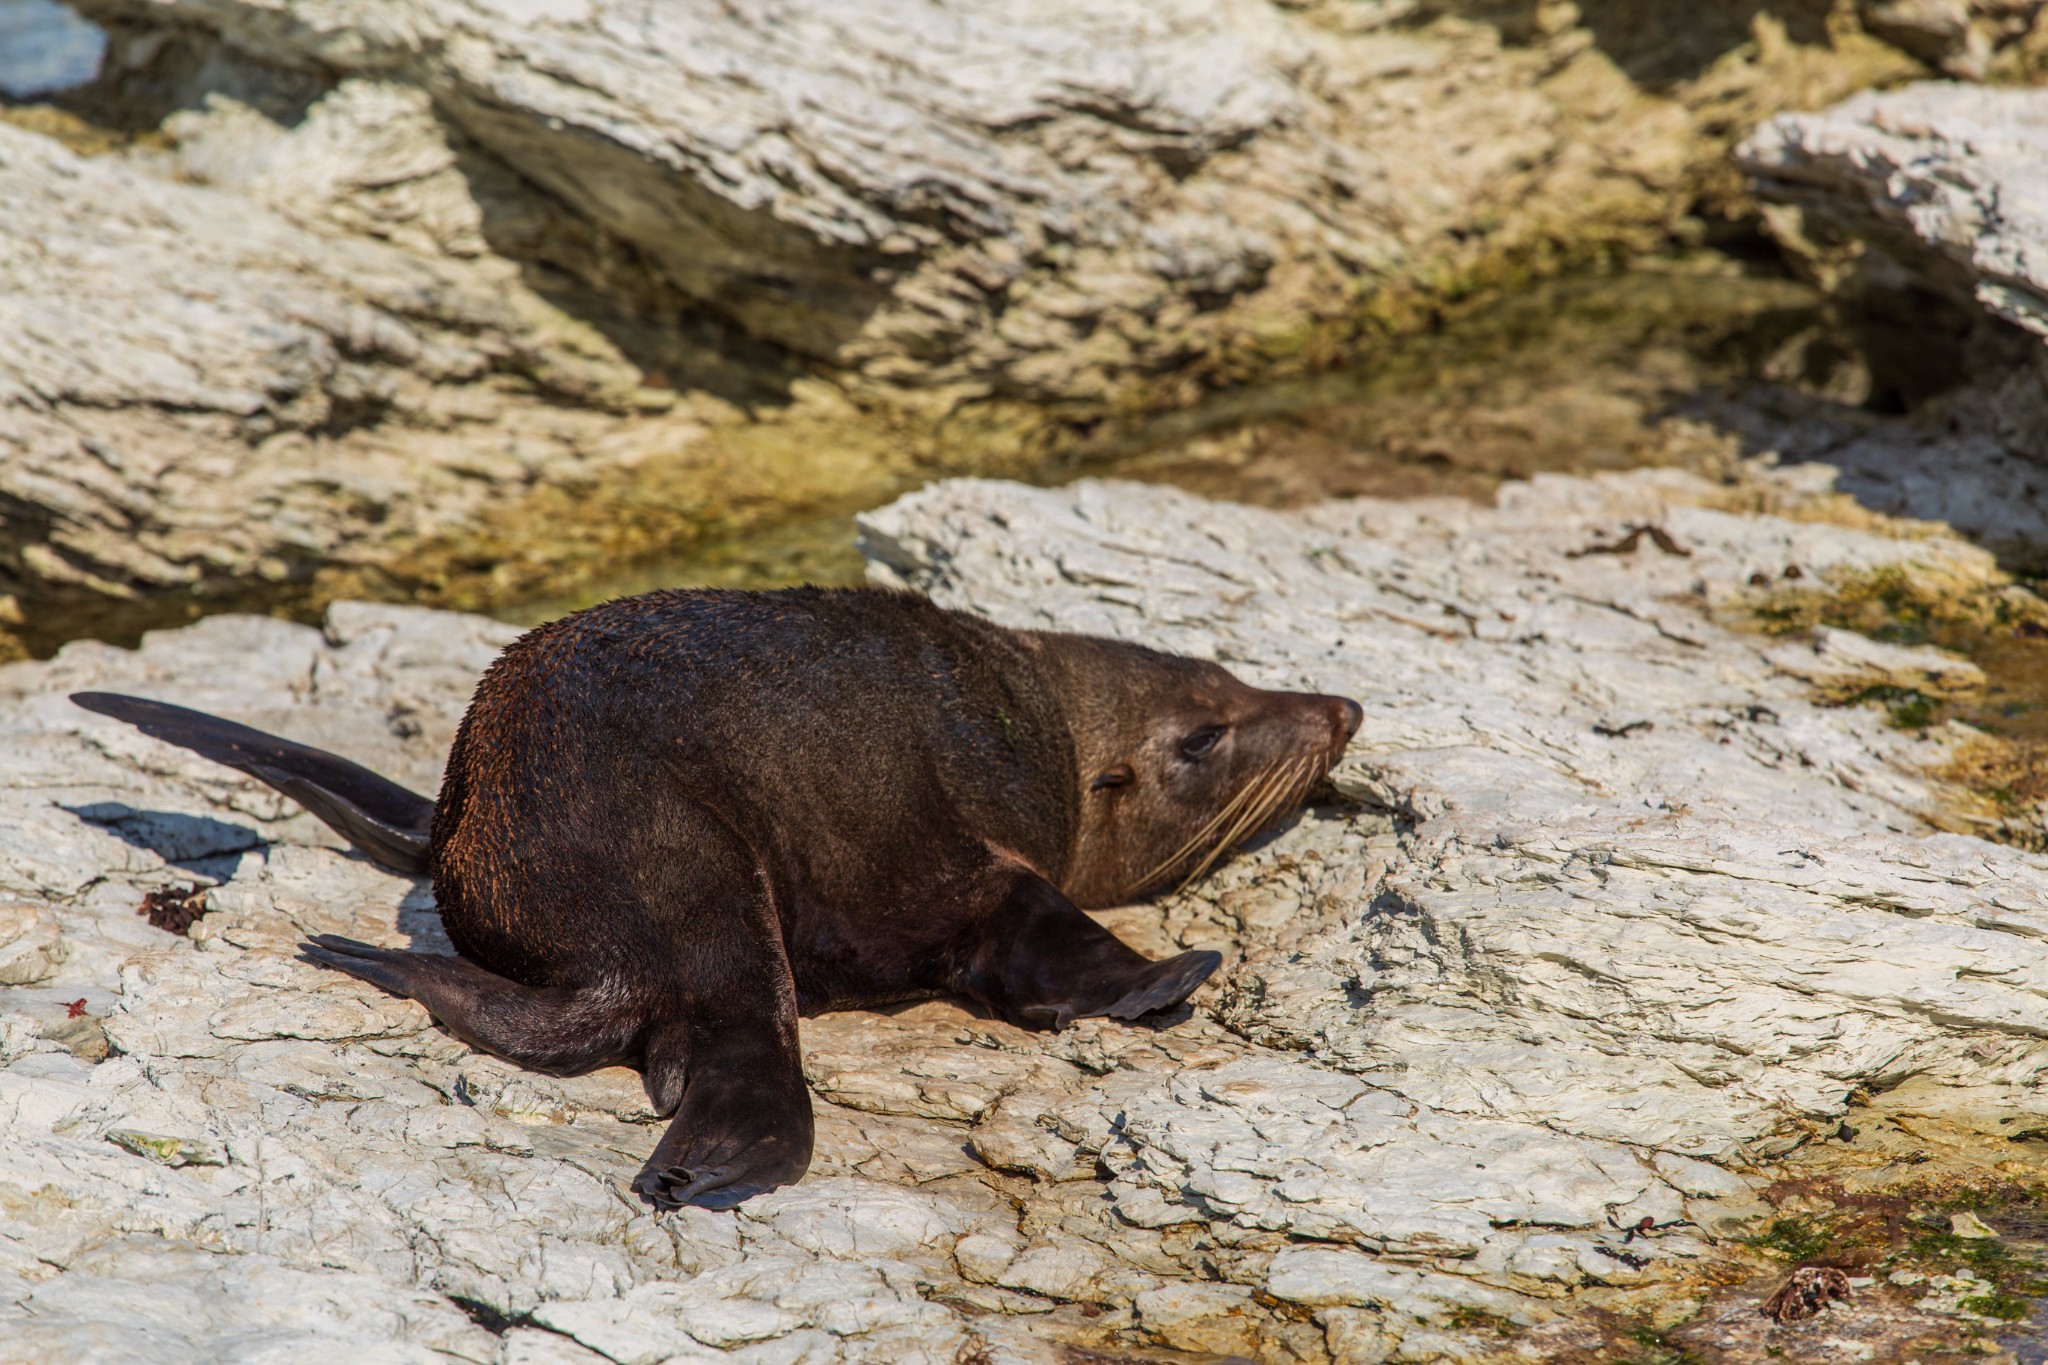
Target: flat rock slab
x=1611 y=911
x=1935 y=169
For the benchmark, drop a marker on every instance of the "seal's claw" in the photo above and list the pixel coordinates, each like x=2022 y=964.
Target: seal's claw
x=744 y=1127
x=381 y=967
x=713 y=1187
x=665 y=1188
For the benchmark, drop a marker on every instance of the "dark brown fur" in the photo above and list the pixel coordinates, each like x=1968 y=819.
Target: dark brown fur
x=671 y=824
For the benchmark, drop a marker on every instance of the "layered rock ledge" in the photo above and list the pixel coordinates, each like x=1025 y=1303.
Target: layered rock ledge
x=711 y=264
x=1930 y=203
x=200 y=397
x=1068 y=203
x=268 y=366
x=1613 y=915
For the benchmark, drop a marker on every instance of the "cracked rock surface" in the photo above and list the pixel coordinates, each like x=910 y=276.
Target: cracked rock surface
x=1610 y=910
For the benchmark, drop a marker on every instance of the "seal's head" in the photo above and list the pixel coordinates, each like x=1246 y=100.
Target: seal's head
x=1179 y=762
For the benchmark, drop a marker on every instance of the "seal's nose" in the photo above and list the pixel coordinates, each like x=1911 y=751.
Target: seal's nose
x=1354 y=716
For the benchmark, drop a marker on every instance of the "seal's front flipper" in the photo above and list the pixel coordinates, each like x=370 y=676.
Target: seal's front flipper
x=1043 y=963
x=744 y=1126
x=386 y=821
x=1168 y=983
x=560 y=1031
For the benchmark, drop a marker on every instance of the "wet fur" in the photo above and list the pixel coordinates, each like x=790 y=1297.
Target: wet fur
x=671 y=824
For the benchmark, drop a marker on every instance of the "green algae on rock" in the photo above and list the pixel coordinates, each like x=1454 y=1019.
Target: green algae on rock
x=1938 y=615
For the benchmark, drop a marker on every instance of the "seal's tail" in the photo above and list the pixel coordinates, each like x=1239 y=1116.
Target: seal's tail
x=386 y=821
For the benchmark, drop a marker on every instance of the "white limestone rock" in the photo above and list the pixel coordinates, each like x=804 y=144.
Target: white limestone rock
x=1941 y=185
x=290 y=355
x=1069 y=201
x=1587 y=925
x=1979 y=479
x=31 y=945
x=158 y=1303
x=1553 y=981
x=1940 y=172
x=1327 y=1278
x=956 y=194
x=1845 y=660
x=199 y=394
x=368 y=157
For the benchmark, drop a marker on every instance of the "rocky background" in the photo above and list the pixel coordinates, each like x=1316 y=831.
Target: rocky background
x=1675 y=920
x=448 y=301
x=1611 y=924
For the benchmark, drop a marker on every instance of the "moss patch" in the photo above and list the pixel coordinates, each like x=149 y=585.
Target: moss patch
x=1795 y=1239
x=1922 y=1288
x=1998 y=777
x=1949 y=606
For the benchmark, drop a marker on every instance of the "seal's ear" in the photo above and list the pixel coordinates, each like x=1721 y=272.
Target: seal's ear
x=1120 y=775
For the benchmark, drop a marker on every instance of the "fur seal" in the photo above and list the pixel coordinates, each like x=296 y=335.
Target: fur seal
x=673 y=823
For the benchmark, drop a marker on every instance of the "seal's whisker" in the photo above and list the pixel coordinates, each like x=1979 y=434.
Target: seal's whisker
x=1287 y=792
x=1256 y=793
x=1201 y=836
x=1273 y=788
x=1187 y=849
x=1253 y=816
x=1300 y=777
x=1196 y=840
x=1267 y=792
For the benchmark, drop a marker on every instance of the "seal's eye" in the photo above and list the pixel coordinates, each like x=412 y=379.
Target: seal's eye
x=1198 y=744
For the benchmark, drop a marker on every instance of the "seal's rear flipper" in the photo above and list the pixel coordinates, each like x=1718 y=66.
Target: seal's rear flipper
x=561 y=1031
x=387 y=822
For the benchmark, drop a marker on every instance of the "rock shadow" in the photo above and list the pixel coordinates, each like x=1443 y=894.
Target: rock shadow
x=600 y=279
x=1903 y=392
x=419 y=919
x=1657 y=43
x=148 y=74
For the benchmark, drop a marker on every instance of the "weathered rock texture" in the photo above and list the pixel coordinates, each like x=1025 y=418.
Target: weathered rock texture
x=1945 y=179
x=1622 y=915
x=198 y=395
x=994 y=226
x=1906 y=201
x=263 y=365
x=1066 y=203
